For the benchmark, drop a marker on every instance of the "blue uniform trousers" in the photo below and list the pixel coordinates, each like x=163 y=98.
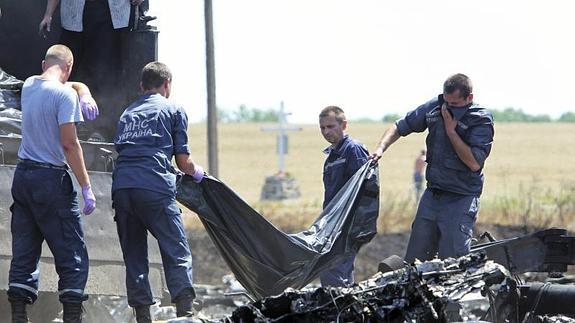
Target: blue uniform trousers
x=46 y=208
x=443 y=225
x=340 y=275
x=137 y=212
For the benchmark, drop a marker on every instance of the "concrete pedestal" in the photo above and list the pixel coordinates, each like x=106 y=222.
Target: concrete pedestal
x=280 y=187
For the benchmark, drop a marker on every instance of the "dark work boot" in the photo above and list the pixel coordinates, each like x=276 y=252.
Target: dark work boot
x=184 y=303
x=19 y=312
x=72 y=312
x=143 y=314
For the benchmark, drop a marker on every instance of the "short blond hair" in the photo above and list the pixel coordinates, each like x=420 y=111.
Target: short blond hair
x=58 y=54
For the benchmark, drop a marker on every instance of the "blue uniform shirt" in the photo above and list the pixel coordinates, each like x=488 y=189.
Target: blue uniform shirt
x=150 y=132
x=445 y=171
x=341 y=163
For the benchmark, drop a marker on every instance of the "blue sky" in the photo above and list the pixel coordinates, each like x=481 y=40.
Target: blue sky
x=371 y=57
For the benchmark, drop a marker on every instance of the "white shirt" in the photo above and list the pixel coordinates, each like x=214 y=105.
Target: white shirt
x=71 y=12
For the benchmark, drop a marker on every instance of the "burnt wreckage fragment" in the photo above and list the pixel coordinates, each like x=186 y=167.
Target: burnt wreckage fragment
x=421 y=292
x=434 y=291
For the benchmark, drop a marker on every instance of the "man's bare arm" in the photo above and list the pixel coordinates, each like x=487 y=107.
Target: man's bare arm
x=80 y=88
x=87 y=103
x=185 y=164
x=73 y=152
x=389 y=137
x=462 y=150
x=46 y=21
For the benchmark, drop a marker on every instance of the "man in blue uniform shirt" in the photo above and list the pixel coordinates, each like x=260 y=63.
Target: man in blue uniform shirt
x=458 y=143
x=150 y=132
x=345 y=157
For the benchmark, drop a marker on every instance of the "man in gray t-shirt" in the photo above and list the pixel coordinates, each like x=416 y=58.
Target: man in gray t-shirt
x=45 y=204
x=45 y=99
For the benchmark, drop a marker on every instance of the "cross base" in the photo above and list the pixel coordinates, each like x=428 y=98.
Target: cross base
x=280 y=186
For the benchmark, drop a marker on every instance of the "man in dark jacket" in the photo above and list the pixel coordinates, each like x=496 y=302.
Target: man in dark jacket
x=458 y=143
x=152 y=131
x=345 y=157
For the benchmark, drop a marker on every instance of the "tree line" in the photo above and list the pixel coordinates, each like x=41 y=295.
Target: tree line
x=244 y=114
x=509 y=115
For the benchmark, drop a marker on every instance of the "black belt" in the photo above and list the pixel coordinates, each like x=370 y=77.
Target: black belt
x=29 y=162
x=436 y=191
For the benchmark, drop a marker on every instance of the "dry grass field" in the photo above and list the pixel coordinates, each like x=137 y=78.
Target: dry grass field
x=530 y=184
x=530 y=175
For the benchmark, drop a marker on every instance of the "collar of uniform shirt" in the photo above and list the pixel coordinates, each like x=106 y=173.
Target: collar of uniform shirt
x=329 y=149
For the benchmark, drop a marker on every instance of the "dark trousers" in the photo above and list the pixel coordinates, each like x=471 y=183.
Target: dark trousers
x=443 y=225
x=46 y=208
x=97 y=62
x=340 y=275
x=137 y=212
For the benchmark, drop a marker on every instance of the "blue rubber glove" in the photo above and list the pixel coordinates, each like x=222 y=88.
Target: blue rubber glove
x=198 y=173
x=89 y=199
x=89 y=107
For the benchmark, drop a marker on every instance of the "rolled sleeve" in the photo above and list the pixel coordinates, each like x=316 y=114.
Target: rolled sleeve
x=180 y=132
x=415 y=121
x=403 y=127
x=480 y=141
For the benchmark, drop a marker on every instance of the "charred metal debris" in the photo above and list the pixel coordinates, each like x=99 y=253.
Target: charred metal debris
x=423 y=292
x=472 y=287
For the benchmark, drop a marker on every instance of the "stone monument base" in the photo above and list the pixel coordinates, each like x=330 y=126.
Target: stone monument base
x=280 y=187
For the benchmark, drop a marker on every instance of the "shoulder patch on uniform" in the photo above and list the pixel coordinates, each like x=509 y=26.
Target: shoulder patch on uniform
x=481 y=116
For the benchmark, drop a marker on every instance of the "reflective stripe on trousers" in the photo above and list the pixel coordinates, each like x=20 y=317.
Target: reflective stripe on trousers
x=46 y=208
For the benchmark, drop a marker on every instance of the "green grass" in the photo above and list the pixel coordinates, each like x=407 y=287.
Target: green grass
x=530 y=175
